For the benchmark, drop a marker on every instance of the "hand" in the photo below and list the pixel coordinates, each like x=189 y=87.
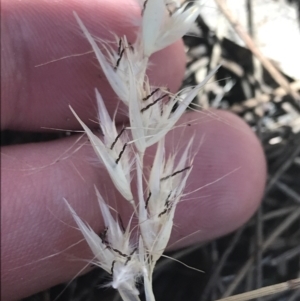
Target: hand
x=36 y=223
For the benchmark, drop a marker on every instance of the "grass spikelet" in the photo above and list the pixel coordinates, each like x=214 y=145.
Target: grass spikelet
x=152 y=114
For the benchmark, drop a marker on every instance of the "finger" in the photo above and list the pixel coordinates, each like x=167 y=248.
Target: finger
x=36 y=223
x=37 y=32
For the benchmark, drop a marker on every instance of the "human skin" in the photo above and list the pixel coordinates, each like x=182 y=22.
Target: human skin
x=35 y=222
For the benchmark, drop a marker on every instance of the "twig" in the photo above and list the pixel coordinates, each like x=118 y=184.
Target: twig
x=257 y=74
x=214 y=277
x=282 y=227
x=254 y=49
x=249 y=281
x=117 y=297
x=215 y=258
x=265 y=291
x=250 y=277
x=259 y=245
x=275 y=214
x=288 y=255
x=283 y=168
x=279 y=212
x=294 y=296
x=288 y=191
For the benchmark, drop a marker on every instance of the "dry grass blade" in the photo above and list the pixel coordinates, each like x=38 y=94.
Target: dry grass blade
x=265 y=291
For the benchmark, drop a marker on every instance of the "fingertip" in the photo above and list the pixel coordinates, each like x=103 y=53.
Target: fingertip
x=37 y=223
x=38 y=85
x=229 y=176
